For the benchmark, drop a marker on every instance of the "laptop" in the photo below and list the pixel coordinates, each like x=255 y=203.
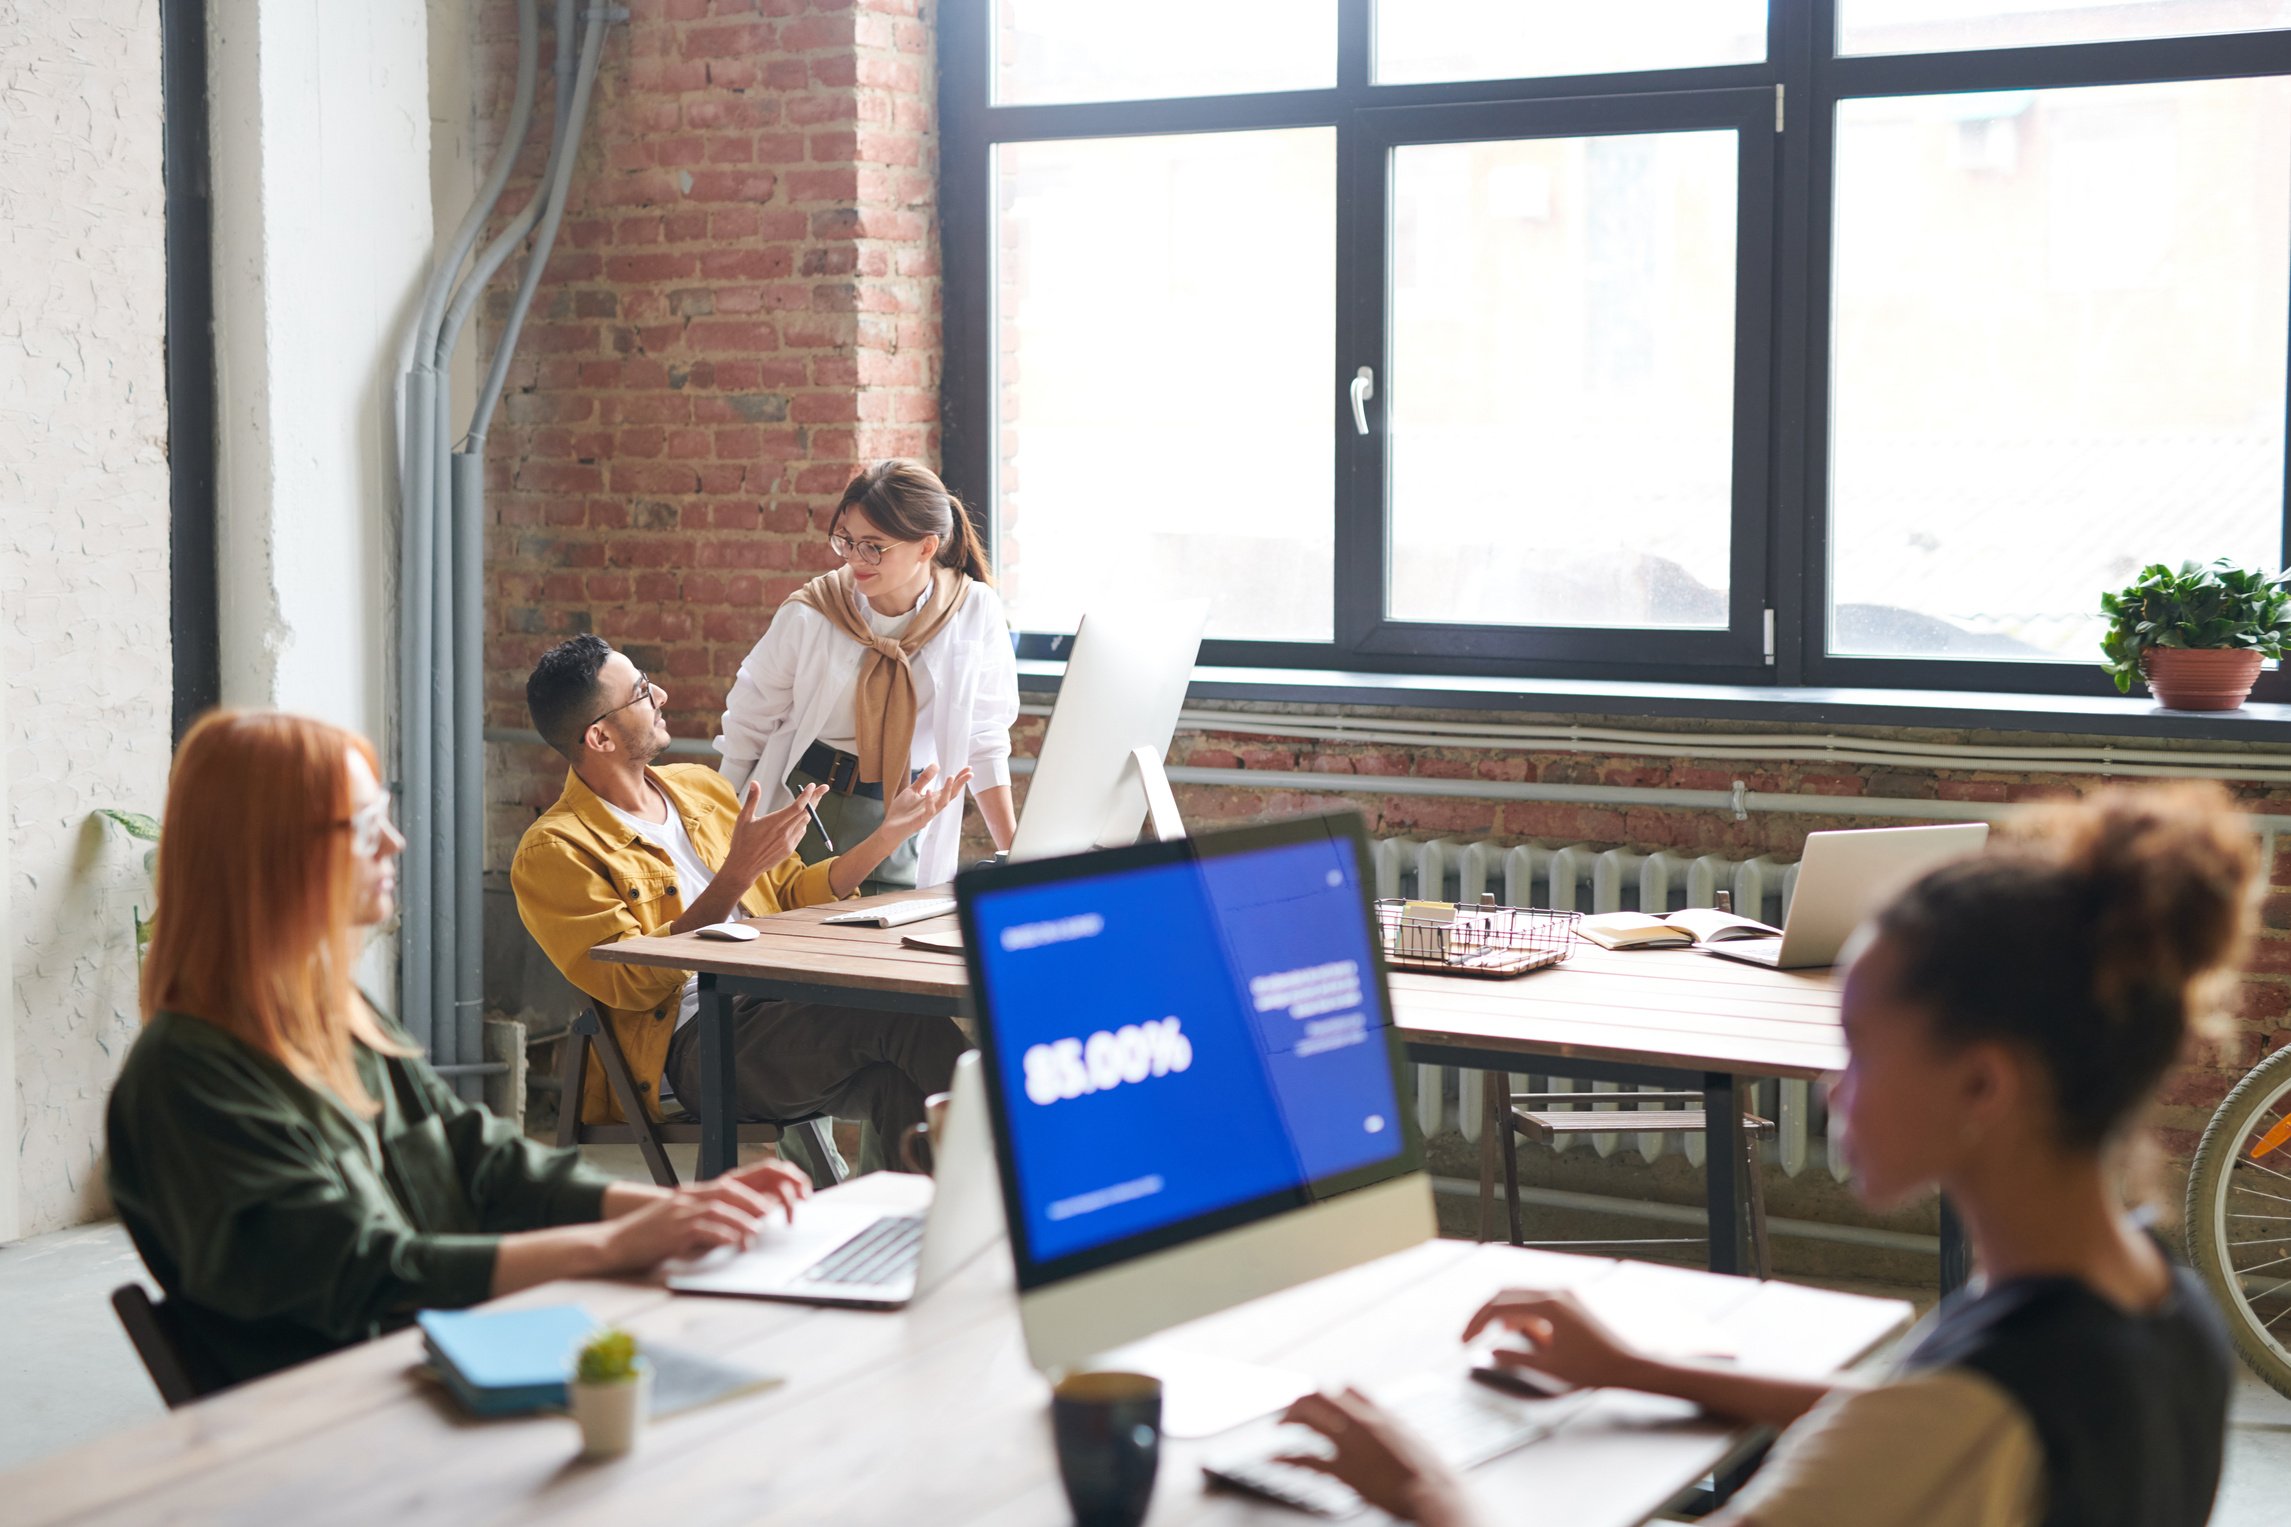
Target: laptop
x=1843 y=878
x=862 y=1256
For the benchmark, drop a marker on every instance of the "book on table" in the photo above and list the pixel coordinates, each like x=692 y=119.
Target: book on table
x=515 y=1362
x=1675 y=930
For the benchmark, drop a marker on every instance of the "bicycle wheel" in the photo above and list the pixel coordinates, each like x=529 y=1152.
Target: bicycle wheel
x=2239 y=1216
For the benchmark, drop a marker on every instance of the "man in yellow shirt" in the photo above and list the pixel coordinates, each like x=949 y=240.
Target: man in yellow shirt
x=630 y=850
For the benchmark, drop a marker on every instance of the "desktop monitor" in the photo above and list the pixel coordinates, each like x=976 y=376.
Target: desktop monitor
x=1193 y=1077
x=1100 y=766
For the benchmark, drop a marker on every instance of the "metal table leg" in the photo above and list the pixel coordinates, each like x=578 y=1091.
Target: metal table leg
x=1722 y=1167
x=832 y=1166
x=719 y=1102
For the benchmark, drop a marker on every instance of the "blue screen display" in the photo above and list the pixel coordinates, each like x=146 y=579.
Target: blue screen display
x=1180 y=1038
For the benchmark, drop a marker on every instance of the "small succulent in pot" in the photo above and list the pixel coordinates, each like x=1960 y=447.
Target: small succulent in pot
x=2197 y=635
x=610 y=1393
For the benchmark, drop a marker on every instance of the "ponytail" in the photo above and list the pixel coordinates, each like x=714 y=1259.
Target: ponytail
x=2095 y=937
x=964 y=549
x=907 y=502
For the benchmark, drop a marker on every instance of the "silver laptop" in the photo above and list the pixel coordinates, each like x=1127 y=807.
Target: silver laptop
x=1843 y=878
x=862 y=1256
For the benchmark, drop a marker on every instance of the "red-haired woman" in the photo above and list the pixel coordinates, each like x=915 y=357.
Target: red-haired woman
x=295 y=1175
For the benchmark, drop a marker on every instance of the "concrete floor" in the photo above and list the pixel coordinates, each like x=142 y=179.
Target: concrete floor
x=68 y=1374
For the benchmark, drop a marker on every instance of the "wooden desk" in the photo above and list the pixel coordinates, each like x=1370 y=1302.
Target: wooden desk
x=927 y=1415
x=1663 y=1018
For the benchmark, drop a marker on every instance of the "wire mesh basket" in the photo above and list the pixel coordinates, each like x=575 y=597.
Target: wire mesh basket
x=1460 y=939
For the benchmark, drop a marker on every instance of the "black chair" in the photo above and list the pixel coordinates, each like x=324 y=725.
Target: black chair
x=590 y=1034
x=152 y=1327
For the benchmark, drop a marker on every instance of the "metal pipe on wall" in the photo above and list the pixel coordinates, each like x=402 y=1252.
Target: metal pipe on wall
x=425 y=602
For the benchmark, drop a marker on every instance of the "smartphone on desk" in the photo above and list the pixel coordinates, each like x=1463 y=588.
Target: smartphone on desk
x=1522 y=1383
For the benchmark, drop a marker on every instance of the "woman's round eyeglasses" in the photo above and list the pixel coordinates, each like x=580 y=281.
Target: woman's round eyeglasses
x=869 y=553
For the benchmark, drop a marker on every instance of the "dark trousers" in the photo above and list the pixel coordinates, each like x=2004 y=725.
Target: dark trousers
x=792 y=1060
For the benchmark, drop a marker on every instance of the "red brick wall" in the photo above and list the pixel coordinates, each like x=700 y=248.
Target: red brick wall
x=742 y=305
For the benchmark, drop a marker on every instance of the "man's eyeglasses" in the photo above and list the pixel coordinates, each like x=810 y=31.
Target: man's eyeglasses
x=867 y=552
x=644 y=691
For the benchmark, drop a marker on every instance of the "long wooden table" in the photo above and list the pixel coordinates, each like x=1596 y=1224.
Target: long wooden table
x=1672 y=1019
x=928 y=1415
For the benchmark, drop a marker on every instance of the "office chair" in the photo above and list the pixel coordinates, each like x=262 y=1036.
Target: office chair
x=152 y=1327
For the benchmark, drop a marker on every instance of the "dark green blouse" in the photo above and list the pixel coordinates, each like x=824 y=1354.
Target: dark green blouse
x=283 y=1226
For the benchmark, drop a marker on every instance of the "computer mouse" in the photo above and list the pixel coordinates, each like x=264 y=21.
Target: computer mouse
x=737 y=933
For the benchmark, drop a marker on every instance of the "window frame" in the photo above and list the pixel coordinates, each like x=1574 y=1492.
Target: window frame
x=1781 y=529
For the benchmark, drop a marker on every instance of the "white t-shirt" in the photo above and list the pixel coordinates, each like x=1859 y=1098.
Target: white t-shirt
x=842 y=729
x=692 y=878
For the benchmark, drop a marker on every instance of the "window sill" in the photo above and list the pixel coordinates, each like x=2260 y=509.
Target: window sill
x=1947 y=710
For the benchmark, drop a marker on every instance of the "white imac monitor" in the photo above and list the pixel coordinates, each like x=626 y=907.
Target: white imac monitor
x=1100 y=769
x=1193 y=1076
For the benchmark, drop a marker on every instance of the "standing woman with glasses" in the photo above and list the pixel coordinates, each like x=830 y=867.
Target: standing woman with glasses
x=899 y=658
x=293 y=1172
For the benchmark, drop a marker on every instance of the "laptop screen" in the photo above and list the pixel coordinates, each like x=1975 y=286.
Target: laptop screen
x=1182 y=1037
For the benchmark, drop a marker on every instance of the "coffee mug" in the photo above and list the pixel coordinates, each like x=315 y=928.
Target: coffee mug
x=1108 y=1427
x=915 y=1144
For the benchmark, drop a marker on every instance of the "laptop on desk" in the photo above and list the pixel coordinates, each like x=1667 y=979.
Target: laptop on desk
x=859 y=1255
x=1843 y=879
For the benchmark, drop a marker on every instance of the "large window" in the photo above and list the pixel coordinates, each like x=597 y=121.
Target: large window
x=1819 y=341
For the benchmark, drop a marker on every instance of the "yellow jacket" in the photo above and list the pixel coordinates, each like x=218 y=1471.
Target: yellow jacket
x=584 y=878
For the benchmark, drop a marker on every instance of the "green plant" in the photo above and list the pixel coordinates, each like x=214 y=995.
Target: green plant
x=144 y=830
x=609 y=1357
x=2213 y=606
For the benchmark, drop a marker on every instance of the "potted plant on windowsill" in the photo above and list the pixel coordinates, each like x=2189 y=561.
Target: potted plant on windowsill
x=610 y=1393
x=2197 y=635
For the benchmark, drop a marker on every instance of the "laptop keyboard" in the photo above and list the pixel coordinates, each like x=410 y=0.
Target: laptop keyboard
x=1465 y=1424
x=884 y=1252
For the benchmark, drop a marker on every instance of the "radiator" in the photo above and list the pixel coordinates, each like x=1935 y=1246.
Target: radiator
x=1583 y=878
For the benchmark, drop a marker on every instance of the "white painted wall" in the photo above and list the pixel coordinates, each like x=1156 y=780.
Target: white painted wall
x=321 y=142
x=321 y=128
x=84 y=654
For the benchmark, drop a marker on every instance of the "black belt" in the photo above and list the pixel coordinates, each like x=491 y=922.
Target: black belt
x=838 y=770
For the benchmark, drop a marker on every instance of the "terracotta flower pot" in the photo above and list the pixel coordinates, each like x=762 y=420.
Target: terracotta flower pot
x=2183 y=678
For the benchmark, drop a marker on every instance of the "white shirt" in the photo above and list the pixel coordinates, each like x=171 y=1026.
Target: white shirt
x=692 y=878
x=804 y=666
x=842 y=729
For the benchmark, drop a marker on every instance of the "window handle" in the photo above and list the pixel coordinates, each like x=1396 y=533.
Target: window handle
x=1363 y=388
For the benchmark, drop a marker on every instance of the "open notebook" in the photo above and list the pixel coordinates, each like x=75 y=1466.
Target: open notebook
x=1677 y=930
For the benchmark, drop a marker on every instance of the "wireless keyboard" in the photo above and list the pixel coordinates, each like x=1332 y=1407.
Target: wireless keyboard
x=1465 y=1423
x=896 y=915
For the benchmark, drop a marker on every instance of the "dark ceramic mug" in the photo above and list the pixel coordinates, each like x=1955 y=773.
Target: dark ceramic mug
x=1108 y=1427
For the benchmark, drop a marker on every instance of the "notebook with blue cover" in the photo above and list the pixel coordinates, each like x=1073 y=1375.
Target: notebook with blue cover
x=505 y=1362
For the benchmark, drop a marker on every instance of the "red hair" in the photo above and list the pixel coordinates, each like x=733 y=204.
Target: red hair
x=254 y=927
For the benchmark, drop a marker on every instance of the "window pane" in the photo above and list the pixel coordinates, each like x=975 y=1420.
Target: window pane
x=2058 y=355
x=1422 y=41
x=1562 y=397
x=1941 y=26
x=1106 y=50
x=1167 y=311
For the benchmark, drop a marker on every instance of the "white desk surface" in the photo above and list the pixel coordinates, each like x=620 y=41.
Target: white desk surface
x=929 y=1415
